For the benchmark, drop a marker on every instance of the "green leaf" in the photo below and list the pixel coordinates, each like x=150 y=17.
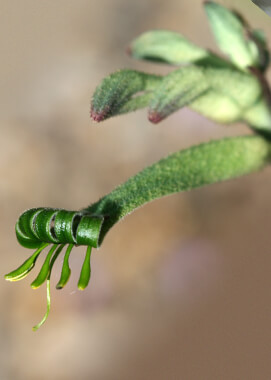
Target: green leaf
x=230 y=34
x=167 y=47
x=118 y=93
x=185 y=170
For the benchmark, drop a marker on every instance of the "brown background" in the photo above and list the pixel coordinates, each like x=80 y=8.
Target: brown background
x=181 y=288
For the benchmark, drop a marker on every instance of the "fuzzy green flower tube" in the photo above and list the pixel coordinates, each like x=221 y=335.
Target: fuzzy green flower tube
x=185 y=170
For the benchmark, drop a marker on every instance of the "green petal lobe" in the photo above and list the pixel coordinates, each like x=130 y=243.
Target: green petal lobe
x=85 y=271
x=45 y=269
x=48 y=291
x=66 y=271
x=26 y=267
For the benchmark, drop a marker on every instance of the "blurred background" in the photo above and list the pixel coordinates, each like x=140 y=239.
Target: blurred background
x=265 y=5
x=181 y=288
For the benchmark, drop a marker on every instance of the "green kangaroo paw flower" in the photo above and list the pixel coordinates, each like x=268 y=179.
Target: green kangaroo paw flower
x=57 y=252
x=233 y=96
x=85 y=271
x=176 y=90
x=66 y=271
x=26 y=267
x=222 y=90
x=221 y=93
x=119 y=88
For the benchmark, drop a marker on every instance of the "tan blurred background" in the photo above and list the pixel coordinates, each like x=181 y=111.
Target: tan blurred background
x=181 y=288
